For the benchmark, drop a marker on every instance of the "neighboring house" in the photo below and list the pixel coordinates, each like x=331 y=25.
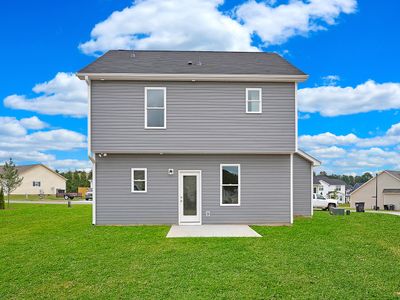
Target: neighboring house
x=39 y=179
x=192 y=137
x=387 y=189
x=327 y=187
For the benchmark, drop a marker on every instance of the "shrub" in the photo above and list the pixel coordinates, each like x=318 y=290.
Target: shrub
x=2 y=203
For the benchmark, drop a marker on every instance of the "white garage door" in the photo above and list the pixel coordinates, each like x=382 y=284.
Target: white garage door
x=392 y=199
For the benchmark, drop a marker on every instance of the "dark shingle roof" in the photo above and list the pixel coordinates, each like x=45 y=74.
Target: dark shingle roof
x=330 y=181
x=203 y=62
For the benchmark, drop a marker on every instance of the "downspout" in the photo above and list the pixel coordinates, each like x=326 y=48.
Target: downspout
x=90 y=154
x=376 y=191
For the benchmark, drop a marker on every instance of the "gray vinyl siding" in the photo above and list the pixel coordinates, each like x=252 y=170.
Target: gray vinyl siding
x=202 y=117
x=265 y=189
x=301 y=186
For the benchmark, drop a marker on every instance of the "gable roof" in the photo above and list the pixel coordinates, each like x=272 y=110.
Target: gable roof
x=394 y=173
x=190 y=62
x=330 y=181
x=24 y=168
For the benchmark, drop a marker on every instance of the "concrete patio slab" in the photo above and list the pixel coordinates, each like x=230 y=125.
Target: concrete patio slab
x=178 y=231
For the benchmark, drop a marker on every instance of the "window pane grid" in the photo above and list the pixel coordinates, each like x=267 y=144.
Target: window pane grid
x=139 y=180
x=253 y=100
x=230 y=185
x=155 y=107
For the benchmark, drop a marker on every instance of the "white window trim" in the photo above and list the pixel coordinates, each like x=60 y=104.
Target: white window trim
x=220 y=184
x=247 y=100
x=133 y=182
x=165 y=107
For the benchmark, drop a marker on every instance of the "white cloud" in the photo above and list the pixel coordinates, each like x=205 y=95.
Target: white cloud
x=350 y=153
x=200 y=25
x=373 y=158
x=329 y=152
x=327 y=138
x=69 y=164
x=276 y=24
x=390 y=138
x=17 y=143
x=65 y=94
x=169 y=24
x=335 y=101
x=330 y=80
x=33 y=123
x=10 y=126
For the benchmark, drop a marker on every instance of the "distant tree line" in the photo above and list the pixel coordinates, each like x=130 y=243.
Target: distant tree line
x=76 y=179
x=350 y=179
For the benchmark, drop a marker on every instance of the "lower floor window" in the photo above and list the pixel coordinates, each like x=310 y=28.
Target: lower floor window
x=230 y=185
x=139 y=180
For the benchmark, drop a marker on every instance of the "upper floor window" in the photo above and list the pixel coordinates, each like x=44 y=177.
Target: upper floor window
x=155 y=107
x=253 y=100
x=36 y=183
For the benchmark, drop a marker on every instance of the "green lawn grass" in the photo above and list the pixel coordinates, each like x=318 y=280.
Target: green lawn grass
x=53 y=252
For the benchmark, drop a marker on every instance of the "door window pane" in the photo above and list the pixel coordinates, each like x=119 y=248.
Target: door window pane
x=189 y=195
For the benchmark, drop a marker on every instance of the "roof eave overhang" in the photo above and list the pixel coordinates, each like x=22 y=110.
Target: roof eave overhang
x=193 y=77
x=308 y=157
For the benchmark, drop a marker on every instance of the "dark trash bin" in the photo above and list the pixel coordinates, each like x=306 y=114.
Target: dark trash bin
x=386 y=207
x=391 y=206
x=347 y=212
x=360 y=206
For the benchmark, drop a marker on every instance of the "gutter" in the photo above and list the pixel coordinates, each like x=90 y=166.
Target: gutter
x=193 y=77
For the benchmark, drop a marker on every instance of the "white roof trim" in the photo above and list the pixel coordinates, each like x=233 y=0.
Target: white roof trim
x=193 y=77
x=308 y=157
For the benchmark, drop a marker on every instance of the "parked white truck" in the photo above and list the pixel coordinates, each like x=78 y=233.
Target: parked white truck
x=321 y=202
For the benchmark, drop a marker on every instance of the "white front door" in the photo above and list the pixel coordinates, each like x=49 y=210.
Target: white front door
x=189 y=197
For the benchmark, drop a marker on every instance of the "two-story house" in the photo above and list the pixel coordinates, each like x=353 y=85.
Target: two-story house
x=330 y=187
x=196 y=137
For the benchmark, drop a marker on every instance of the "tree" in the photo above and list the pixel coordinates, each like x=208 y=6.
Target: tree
x=2 y=204
x=10 y=179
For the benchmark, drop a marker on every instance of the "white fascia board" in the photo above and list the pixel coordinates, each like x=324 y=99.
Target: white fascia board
x=193 y=77
x=308 y=157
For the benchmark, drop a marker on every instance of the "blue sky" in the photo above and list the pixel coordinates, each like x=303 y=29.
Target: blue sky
x=341 y=44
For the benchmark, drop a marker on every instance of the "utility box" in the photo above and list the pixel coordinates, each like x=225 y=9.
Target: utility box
x=337 y=211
